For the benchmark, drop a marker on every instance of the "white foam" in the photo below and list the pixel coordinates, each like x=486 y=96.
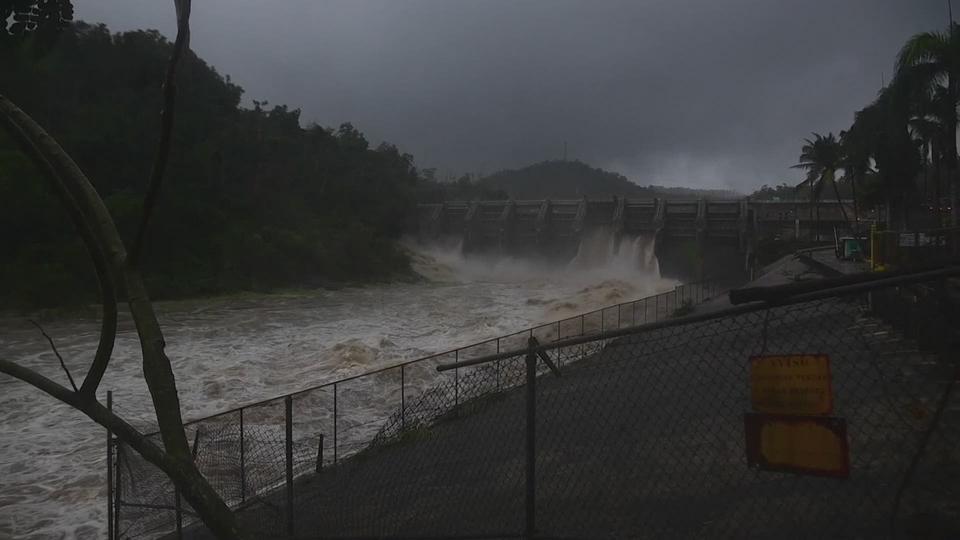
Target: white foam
x=235 y=350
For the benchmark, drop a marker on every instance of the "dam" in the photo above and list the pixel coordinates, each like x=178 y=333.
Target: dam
x=692 y=238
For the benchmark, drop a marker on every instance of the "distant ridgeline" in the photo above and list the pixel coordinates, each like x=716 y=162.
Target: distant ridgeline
x=575 y=179
x=251 y=200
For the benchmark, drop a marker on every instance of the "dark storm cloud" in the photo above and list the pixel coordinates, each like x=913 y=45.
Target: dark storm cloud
x=671 y=92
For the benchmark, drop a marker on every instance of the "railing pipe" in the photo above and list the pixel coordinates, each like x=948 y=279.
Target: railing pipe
x=865 y=286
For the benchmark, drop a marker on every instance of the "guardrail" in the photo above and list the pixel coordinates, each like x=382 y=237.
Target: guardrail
x=251 y=451
x=905 y=249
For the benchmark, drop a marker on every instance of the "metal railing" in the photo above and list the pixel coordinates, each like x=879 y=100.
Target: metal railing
x=906 y=249
x=916 y=307
x=251 y=452
x=638 y=432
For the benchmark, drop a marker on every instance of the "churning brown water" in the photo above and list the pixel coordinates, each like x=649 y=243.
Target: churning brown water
x=233 y=350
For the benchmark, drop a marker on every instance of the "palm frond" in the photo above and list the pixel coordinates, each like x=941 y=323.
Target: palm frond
x=923 y=48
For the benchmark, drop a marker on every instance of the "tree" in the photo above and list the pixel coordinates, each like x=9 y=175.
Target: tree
x=930 y=63
x=38 y=19
x=928 y=126
x=855 y=162
x=259 y=202
x=117 y=274
x=821 y=157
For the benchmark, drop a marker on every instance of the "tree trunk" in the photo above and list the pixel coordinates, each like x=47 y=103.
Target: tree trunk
x=856 y=205
x=816 y=207
x=843 y=210
x=80 y=194
x=951 y=157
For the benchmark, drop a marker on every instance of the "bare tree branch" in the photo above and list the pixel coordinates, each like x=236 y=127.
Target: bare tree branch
x=96 y=224
x=25 y=132
x=56 y=352
x=194 y=487
x=166 y=127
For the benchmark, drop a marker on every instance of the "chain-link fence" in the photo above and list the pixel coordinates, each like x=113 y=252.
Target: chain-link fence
x=632 y=432
x=254 y=454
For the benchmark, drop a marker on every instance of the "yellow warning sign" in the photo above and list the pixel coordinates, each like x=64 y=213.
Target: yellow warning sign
x=803 y=444
x=791 y=384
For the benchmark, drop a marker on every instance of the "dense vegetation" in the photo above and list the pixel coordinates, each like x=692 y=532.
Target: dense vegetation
x=901 y=149
x=575 y=179
x=252 y=199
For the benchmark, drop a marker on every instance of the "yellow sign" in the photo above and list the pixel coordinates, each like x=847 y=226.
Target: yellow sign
x=791 y=384
x=804 y=444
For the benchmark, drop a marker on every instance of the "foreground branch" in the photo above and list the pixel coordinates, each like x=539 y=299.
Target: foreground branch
x=184 y=474
x=109 y=255
x=40 y=148
x=166 y=127
x=56 y=352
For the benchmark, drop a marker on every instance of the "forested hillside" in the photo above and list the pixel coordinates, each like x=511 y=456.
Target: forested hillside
x=252 y=199
x=575 y=179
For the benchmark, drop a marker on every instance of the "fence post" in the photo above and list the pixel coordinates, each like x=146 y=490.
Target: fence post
x=243 y=465
x=531 y=458
x=117 y=492
x=334 y=423
x=498 y=365
x=456 y=381
x=288 y=418
x=618 y=315
x=178 y=508
x=320 y=454
x=403 y=398
x=196 y=443
x=109 y=471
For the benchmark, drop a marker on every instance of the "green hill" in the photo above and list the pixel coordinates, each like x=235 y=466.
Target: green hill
x=575 y=179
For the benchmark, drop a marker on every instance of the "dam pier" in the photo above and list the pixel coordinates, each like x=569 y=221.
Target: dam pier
x=689 y=236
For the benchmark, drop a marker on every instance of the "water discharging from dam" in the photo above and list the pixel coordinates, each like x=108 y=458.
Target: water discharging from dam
x=233 y=350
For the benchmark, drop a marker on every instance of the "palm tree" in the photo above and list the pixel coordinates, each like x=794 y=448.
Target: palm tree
x=928 y=127
x=821 y=157
x=880 y=134
x=855 y=162
x=930 y=63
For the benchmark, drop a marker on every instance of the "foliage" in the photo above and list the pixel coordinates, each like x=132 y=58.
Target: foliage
x=38 y=22
x=253 y=200
x=906 y=136
x=465 y=188
x=574 y=179
x=821 y=157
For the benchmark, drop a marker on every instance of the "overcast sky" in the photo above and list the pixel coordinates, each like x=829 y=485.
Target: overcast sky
x=675 y=92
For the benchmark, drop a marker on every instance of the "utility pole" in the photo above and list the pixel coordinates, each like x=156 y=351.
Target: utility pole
x=564 y=150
